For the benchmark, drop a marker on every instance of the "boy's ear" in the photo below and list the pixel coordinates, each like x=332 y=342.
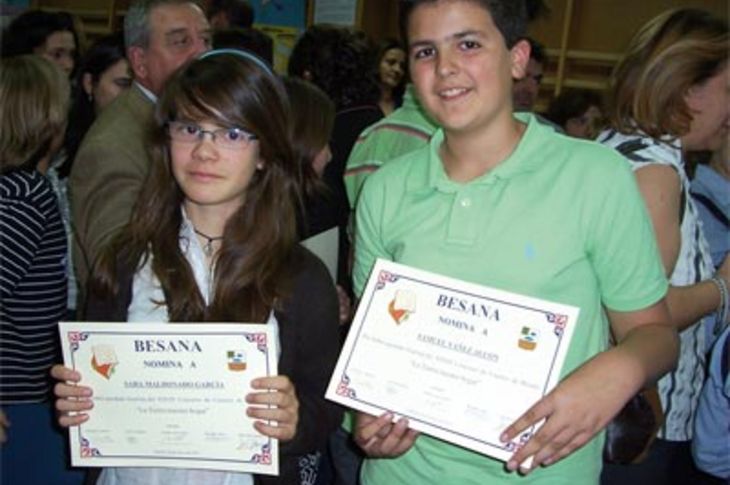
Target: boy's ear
x=520 y=54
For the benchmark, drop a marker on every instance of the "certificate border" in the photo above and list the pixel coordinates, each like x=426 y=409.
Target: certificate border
x=558 y=320
x=88 y=452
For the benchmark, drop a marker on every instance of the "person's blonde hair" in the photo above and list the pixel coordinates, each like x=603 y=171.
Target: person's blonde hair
x=34 y=99
x=674 y=51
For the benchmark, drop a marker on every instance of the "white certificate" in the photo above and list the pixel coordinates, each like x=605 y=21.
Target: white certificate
x=459 y=360
x=171 y=395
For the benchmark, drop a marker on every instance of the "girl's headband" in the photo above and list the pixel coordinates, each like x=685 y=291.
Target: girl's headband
x=244 y=54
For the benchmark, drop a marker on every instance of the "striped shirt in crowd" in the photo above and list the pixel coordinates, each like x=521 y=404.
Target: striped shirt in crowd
x=679 y=391
x=32 y=285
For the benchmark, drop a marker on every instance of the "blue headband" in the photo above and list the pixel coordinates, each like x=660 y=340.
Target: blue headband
x=244 y=54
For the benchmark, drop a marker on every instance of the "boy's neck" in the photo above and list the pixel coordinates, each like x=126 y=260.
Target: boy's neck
x=467 y=156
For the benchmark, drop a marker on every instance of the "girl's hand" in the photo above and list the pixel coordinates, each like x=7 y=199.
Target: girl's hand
x=575 y=411
x=380 y=438
x=279 y=392
x=70 y=397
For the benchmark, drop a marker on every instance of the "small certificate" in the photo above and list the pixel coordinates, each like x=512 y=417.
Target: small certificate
x=171 y=395
x=459 y=360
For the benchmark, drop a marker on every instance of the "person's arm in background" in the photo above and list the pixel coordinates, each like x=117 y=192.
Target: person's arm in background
x=661 y=189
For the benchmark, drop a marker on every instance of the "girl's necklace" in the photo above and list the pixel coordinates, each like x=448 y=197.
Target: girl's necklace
x=208 y=246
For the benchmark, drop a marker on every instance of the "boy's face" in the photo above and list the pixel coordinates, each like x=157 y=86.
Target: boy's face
x=460 y=65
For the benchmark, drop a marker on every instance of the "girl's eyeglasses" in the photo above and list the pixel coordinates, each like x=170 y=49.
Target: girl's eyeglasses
x=229 y=138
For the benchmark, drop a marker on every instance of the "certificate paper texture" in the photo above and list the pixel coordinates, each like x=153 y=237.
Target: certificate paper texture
x=459 y=360
x=170 y=395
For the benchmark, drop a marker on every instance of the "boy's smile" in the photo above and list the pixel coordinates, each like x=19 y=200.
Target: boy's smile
x=460 y=65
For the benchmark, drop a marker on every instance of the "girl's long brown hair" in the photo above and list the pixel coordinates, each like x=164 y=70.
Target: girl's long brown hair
x=253 y=262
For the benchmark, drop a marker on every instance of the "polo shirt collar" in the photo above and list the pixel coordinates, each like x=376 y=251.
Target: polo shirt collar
x=525 y=158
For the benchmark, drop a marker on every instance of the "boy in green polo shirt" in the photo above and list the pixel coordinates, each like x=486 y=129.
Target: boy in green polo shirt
x=503 y=201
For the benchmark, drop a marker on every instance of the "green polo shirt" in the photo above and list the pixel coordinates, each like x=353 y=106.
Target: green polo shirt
x=560 y=219
x=404 y=130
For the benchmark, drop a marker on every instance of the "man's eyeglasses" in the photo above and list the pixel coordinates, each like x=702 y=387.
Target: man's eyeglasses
x=230 y=138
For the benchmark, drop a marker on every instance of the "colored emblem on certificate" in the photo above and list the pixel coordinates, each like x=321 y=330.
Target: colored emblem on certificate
x=171 y=395
x=459 y=360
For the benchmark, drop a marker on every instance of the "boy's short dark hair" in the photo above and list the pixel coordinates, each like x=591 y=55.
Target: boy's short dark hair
x=510 y=17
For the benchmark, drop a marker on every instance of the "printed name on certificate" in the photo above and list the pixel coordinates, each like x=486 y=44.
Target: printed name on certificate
x=460 y=361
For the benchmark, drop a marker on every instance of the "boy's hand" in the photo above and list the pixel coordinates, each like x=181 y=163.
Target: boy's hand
x=576 y=410
x=380 y=438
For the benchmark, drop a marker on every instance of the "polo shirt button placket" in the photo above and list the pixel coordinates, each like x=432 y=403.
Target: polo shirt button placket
x=462 y=226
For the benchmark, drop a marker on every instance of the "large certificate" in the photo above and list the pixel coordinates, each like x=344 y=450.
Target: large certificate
x=459 y=360
x=171 y=395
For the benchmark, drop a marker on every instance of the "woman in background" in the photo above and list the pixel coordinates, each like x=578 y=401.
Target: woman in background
x=313 y=116
x=391 y=68
x=102 y=75
x=33 y=104
x=213 y=239
x=51 y=35
x=670 y=96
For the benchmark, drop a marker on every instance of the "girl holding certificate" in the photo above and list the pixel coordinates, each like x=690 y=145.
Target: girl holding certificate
x=213 y=238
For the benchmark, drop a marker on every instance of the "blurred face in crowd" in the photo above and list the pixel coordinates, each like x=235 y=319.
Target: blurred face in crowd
x=586 y=125
x=392 y=67
x=60 y=49
x=115 y=79
x=526 y=90
x=709 y=105
x=178 y=33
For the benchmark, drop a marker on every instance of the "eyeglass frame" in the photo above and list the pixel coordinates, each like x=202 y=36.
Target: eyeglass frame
x=218 y=141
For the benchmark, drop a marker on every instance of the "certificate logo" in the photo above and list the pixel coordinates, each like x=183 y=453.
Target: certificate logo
x=402 y=305
x=528 y=338
x=104 y=360
x=236 y=360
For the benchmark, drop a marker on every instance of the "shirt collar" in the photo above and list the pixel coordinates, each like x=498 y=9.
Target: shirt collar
x=148 y=94
x=525 y=158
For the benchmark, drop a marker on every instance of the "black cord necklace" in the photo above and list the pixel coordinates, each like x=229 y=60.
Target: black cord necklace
x=208 y=246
